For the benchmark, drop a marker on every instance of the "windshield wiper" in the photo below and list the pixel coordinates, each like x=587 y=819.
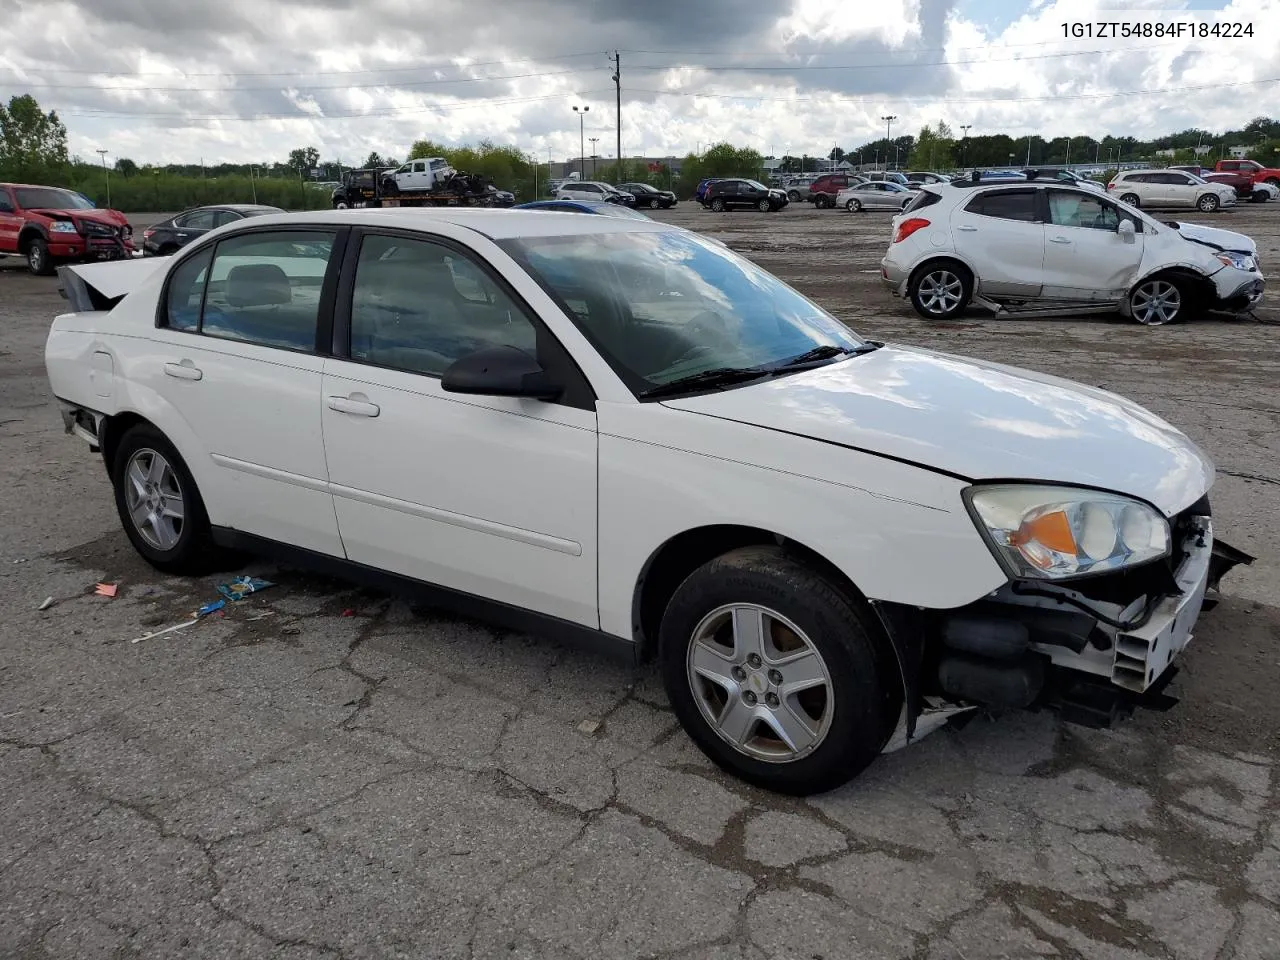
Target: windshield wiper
x=713 y=378
x=820 y=354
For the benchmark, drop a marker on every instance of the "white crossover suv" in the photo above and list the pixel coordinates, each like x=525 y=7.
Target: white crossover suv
x=1022 y=248
x=1170 y=189
x=613 y=431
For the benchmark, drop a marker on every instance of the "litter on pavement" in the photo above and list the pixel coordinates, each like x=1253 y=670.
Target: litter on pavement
x=241 y=587
x=106 y=589
x=48 y=602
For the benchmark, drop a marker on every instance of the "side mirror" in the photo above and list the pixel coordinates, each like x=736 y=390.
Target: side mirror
x=1127 y=232
x=500 y=372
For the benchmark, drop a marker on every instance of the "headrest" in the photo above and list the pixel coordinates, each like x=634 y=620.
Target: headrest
x=258 y=285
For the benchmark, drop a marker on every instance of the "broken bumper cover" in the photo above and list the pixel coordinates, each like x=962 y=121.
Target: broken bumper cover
x=1100 y=646
x=1238 y=291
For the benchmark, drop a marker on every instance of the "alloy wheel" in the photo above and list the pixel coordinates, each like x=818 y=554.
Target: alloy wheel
x=1156 y=302
x=940 y=291
x=35 y=258
x=153 y=496
x=760 y=683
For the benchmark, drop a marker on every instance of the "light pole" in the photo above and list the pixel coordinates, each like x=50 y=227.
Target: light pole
x=964 y=143
x=1028 y=149
x=253 y=181
x=594 y=153
x=1068 y=162
x=888 y=127
x=582 y=147
x=106 y=174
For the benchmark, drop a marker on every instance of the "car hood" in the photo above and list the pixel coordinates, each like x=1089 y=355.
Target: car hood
x=1216 y=237
x=975 y=420
x=112 y=218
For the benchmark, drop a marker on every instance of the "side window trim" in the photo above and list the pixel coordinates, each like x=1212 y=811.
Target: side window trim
x=578 y=390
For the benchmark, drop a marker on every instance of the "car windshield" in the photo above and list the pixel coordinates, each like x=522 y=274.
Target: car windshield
x=664 y=305
x=618 y=210
x=50 y=198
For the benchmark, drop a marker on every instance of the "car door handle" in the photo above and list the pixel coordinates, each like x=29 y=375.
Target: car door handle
x=357 y=405
x=1059 y=240
x=186 y=370
x=967 y=229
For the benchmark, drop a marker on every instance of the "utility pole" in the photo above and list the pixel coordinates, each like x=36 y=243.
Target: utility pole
x=595 y=155
x=1028 y=149
x=964 y=143
x=106 y=174
x=617 y=83
x=582 y=144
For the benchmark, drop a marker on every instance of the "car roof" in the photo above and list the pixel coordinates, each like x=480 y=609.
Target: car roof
x=494 y=223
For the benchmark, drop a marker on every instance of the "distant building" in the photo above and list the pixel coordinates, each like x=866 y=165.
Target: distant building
x=1238 y=153
x=1166 y=153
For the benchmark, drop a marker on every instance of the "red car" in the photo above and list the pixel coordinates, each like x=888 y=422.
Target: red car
x=48 y=224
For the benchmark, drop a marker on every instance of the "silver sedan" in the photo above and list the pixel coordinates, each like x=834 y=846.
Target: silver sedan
x=875 y=195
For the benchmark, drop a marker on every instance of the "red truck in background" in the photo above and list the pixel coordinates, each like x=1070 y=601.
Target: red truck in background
x=48 y=224
x=1250 y=168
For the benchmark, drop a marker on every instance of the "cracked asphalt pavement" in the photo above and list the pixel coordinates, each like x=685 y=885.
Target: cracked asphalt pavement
x=327 y=772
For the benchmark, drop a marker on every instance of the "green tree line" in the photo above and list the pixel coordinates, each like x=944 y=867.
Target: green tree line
x=33 y=149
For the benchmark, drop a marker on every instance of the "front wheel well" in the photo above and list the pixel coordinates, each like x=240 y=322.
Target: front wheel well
x=670 y=565
x=1199 y=288
x=26 y=237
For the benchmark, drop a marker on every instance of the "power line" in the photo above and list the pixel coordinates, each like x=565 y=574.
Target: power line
x=372 y=114
x=318 y=73
x=399 y=84
x=1168 y=91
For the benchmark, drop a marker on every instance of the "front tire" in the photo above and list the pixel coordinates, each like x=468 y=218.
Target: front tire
x=774 y=672
x=1131 y=199
x=1157 y=301
x=159 y=505
x=764 y=206
x=940 y=291
x=1208 y=203
x=653 y=204
x=39 y=263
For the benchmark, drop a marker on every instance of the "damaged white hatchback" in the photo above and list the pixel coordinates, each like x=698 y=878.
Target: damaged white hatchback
x=615 y=431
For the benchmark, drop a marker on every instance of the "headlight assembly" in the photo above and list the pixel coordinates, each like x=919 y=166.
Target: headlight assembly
x=1049 y=532
x=1238 y=260
x=62 y=226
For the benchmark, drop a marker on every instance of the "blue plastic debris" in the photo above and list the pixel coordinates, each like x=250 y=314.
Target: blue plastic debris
x=241 y=587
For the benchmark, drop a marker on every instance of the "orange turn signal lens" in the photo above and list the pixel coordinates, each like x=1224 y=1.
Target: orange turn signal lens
x=1050 y=530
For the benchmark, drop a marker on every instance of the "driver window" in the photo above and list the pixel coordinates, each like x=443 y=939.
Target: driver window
x=1078 y=210
x=418 y=306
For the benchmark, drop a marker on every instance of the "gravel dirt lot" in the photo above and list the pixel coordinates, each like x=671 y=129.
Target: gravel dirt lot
x=330 y=773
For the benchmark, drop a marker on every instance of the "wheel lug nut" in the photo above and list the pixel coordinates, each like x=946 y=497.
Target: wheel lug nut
x=750 y=698
x=771 y=699
x=754 y=660
x=775 y=677
x=739 y=674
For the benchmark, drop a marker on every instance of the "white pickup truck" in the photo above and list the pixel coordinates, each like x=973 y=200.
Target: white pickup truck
x=425 y=173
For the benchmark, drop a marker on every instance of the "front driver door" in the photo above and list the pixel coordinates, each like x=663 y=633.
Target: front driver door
x=1003 y=234
x=1085 y=257
x=489 y=496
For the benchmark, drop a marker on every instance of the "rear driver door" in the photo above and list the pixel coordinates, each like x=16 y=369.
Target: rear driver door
x=1002 y=235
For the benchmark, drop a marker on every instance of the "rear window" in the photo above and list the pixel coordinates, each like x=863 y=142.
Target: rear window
x=922 y=199
x=1006 y=205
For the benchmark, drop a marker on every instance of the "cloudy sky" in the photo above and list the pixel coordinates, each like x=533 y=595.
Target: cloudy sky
x=246 y=80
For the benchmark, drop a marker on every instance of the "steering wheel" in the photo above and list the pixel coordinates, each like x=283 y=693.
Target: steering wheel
x=705 y=322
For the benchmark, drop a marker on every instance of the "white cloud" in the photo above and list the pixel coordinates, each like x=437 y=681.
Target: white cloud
x=317 y=73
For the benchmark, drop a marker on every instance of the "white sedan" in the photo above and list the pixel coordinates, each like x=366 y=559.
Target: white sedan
x=614 y=431
x=876 y=195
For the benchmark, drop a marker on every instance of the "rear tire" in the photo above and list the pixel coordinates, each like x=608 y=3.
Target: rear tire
x=756 y=642
x=854 y=205
x=1208 y=203
x=39 y=263
x=794 y=196
x=152 y=483
x=717 y=205
x=1131 y=199
x=940 y=290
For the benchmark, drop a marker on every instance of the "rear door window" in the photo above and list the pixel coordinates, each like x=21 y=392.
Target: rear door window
x=264 y=288
x=1006 y=205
